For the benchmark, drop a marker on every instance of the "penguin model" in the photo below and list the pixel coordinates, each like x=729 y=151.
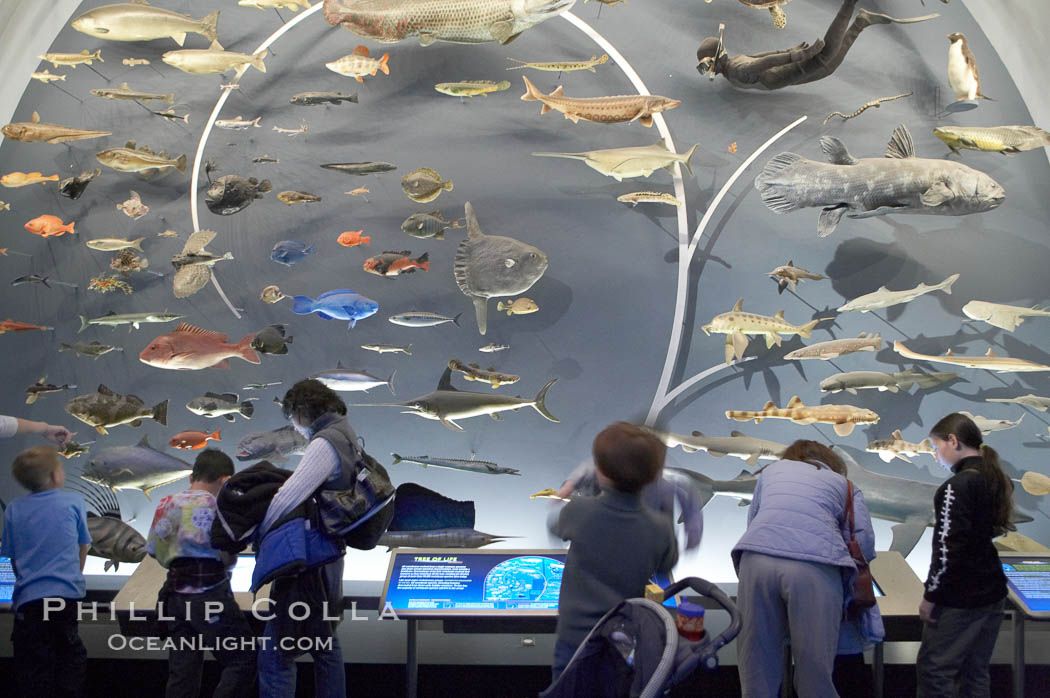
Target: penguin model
x=963 y=76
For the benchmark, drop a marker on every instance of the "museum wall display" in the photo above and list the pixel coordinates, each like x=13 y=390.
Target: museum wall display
x=824 y=224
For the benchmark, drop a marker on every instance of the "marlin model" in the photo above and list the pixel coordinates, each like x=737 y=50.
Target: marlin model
x=990 y=361
x=446 y=404
x=746 y=448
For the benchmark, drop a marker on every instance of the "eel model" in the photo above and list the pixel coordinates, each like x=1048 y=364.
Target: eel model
x=736 y=325
x=834 y=348
x=844 y=417
x=866 y=187
x=737 y=444
x=990 y=361
x=995 y=139
x=34 y=131
x=602 y=110
x=897 y=447
x=1005 y=317
x=788 y=276
x=852 y=381
x=884 y=298
x=634 y=161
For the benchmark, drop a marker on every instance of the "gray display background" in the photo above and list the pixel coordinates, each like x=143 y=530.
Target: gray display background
x=607 y=299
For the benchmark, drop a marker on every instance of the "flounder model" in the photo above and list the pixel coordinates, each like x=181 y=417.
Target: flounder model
x=193 y=265
x=861 y=188
x=852 y=381
x=996 y=139
x=844 y=417
x=897 y=447
x=788 y=276
x=190 y=348
x=487 y=266
x=990 y=361
x=358 y=64
x=138 y=21
x=447 y=404
x=105 y=408
x=746 y=448
x=602 y=110
x=884 y=298
x=423 y=185
x=474 y=372
x=987 y=425
x=34 y=131
x=212 y=61
x=142 y=160
x=456 y=21
x=470 y=466
x=635 y=161
x=736 y=325
x=274 y=445
x=1034 y=401
x=138 y=467
x=1006 y=317
x=834 y=348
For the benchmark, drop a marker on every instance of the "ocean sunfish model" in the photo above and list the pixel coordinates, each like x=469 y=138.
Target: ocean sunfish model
x=865 y=187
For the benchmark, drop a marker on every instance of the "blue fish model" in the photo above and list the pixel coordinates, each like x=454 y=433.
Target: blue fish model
x=289 y=252
x=341 y=304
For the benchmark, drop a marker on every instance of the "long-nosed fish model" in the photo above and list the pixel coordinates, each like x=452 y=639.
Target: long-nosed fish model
x=1006 y=317
x=834 y=348
x=897 y=447
x=788 y=276
x=989 y=361
x=852 y=381
x=1034 y=401
x=988 y=425
x=471 y=466
x=447 y=404
x=884 y=298
x=996 y=139
x=602 y=110
x=736 y=325
x=34 y=131
x=737 y=444
x=138 y=467
x=634 y=161
x=844 y=417
x=126 y=92
x=138 y=21
x=561 y=66
x=865 y=187
x=456 y=21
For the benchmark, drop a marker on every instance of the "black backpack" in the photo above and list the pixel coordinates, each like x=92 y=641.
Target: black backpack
x=360 y=514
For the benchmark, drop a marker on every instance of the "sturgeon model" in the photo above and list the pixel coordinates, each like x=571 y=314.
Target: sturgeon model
x=844 y=417
x=852 y=381
x=834 y=348
x=897 y=447
x=456 y=21
x=634 y=161
x=447 y=404
x=470 y=466
x=996 y=139
x=884 y=298
x=138 y=21
x=138 y=467
x=33 y=131
x=990 y=361
x=898 y=183
x=602 y=110
x=746 y=448
x=789 y=275
x=736 y=324
x=1005 y=317
x=1034 y=401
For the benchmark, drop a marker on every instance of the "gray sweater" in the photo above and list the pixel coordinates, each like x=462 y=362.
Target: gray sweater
x=617 y=543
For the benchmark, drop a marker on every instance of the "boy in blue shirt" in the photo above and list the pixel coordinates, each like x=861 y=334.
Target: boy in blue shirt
x=46 y=536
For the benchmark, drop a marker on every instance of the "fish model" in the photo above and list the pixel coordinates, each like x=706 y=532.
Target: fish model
x=737 y=444
x=853 y=381
x=193 y=440
x=428 y=225
x=474 y=372
x=212 y=61
x=114 y=244
x=1034 y=401
x=237 y=123
x=601 y=110
x=298 y=197
x=104 y=408
x=884 y=298
x=292 y=5
x=291 y=132
x=194 y=264
x=5 y=207
x=47 y=77
x=392 y=264
x=483 y=467
x=359 y=64
x=112 y=319
x=94 y=349
x=313 y=99
x=142 y=160
x=897 y=447
x=263 y=159
x=272 y=294
x=1006 y=317
x=471 y=88
x=736 y=325
x=126 y=92
x=47 y=226
x=352 y=238
x=455 y=21
x=635 y=161
x=996 y=139
x=519 y=306
x=225 y=405
x=424 y=185
x=422 y=318
x=72 y=60
x=230 y=194
x=271 y=340
x=114 y=541
x=138 y=21
x=834 y=348
x=648 y=197
x=190 y=348
x=439 y=538
x=34 y=131
x=788 y=276
x=345 y=380
x=561 y=66
x=447 y=404
x=844 y=417
x=37 y=279
x=990 y=361
x=489 y=266
x=389 y=348
x=132 y=62
x=489 y=348
x=138 y=467
x=274 y=445
x=261 y=386
x=10 y=325
x=13 y=180
x=73 y=449
x=133 y=206
x=988 y=425
x=360 y=168
x=341 y=304
x=291 y=252
x=861 y=188
x=41 y=387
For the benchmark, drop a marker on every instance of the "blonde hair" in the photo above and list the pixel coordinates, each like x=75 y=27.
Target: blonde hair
x=33 y=467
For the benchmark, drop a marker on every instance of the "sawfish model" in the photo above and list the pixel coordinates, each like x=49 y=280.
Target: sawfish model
x=865 y=187
x=844 y=417
x=446 y=404
x=852 y=381
x=456 y=21
x=33 y=131
x=746 y=448
x=736 y=324
x=897 y=447
x=990 y=361
x=635 y=161
x=602 y=110
x=884 y=298
x=1005 y=317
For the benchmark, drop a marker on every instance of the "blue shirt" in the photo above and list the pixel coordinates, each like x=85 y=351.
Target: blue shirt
x=42 y=535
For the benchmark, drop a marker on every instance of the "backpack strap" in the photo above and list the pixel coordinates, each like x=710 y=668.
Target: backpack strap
x=849 y=506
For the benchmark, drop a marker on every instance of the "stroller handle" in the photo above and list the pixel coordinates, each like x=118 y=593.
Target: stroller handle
x=711 y=591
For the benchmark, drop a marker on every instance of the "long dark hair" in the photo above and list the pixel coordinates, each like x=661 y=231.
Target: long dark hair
x=999 y=485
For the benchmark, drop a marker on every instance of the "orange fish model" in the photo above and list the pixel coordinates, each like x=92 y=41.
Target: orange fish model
x=10 y=325
x=47 y=226
x=23 y=179
x=195 y=440
x=353 y=237
x=395 y=263
x=190 y=348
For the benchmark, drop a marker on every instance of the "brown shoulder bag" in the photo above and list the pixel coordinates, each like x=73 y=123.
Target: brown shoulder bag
x=863 y=596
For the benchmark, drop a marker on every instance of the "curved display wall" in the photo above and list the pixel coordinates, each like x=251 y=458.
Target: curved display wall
x=625 y=289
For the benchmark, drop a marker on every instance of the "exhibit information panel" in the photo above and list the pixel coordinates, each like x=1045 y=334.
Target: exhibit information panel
x=1028 y=581
x=472 y=582
x=7 y=582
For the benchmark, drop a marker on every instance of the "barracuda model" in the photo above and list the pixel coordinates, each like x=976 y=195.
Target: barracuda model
x=736 y=325
x=844 y=417
x=1005 y=317
x=737 y=444
x=989 y=361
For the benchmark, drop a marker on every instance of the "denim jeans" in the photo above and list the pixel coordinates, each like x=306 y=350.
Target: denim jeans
x=277 y=673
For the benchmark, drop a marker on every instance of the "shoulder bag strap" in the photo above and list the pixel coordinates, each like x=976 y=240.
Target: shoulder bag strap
x=849 y=506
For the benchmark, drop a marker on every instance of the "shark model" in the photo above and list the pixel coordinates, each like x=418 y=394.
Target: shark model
x=844 y=417
x=990 y=361
x=746 y=448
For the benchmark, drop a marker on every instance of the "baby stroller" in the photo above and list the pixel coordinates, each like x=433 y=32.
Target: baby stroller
x=635 y=649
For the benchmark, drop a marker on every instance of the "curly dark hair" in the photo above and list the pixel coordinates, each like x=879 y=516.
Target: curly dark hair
x=309 y=399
